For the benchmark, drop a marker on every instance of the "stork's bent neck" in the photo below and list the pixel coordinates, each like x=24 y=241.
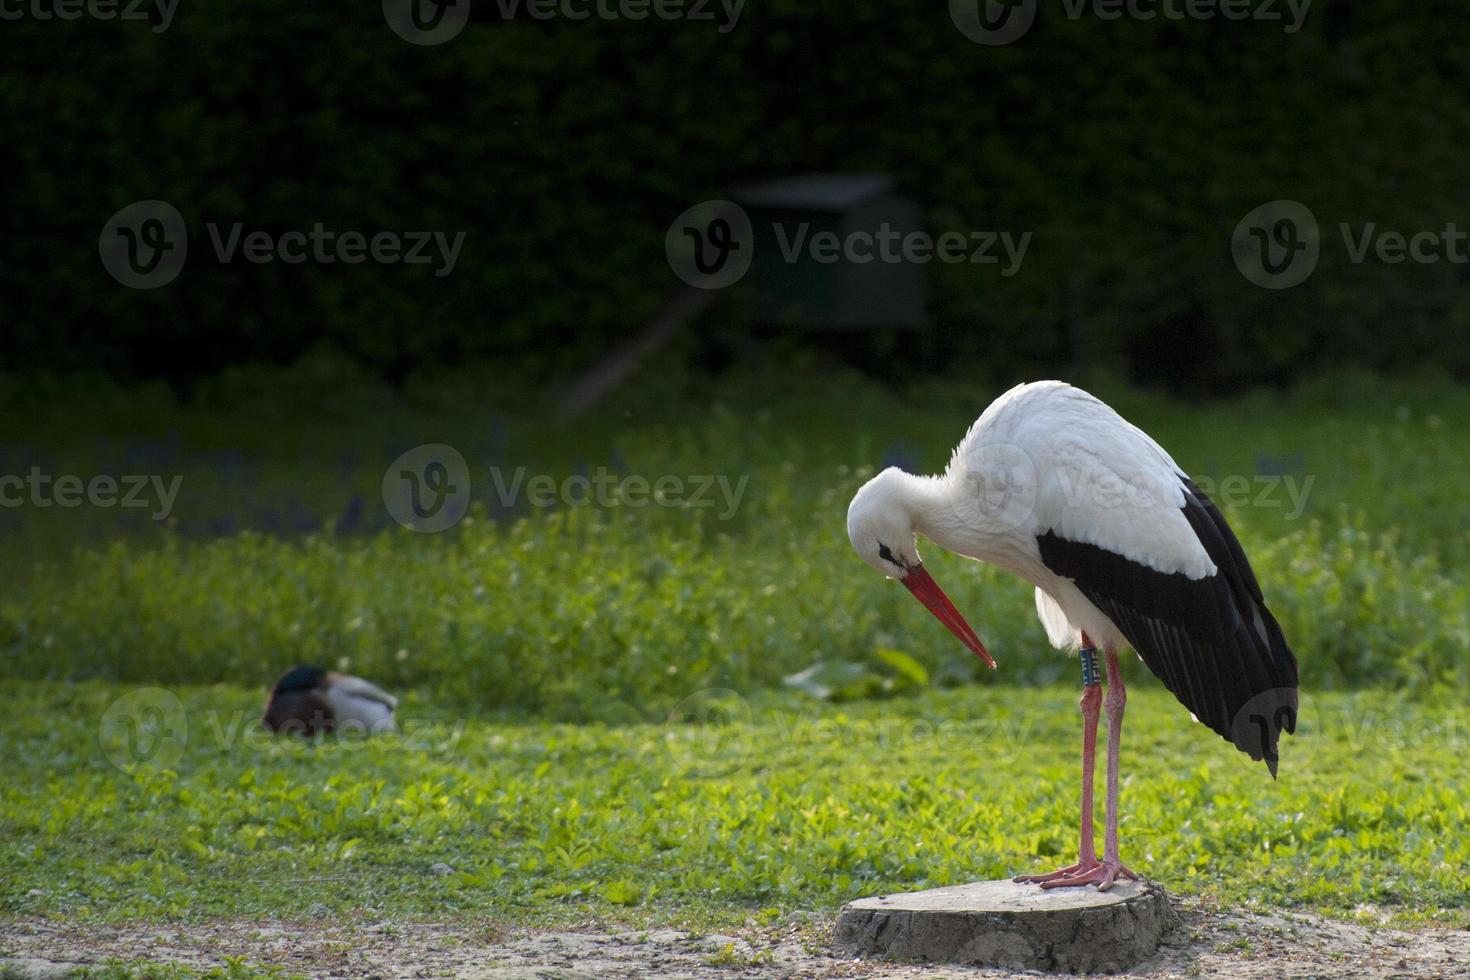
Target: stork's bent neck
x=943 y=513
x=926 y=500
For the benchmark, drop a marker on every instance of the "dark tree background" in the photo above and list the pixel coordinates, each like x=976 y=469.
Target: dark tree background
x=563 y=149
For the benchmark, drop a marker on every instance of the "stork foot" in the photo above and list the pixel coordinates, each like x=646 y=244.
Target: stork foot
x=1057 y=875
x=1103 y=874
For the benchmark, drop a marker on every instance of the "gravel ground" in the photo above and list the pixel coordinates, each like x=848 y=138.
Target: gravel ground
x=1212 y=943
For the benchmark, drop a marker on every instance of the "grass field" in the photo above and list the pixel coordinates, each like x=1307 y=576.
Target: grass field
x=558 y=661
x=765 y=805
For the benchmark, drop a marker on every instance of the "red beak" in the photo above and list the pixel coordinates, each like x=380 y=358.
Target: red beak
x=927 y=591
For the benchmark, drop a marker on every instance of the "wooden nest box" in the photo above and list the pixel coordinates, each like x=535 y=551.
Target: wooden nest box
x=819 y=261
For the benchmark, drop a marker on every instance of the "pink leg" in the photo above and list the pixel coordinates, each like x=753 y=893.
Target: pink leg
x=1116 y=702
x=1086 y=851
x=1106 y=873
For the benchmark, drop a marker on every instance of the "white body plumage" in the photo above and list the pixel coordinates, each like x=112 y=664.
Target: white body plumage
x=1045 y=457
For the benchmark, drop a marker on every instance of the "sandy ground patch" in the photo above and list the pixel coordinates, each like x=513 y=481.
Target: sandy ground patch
x=1212 y=943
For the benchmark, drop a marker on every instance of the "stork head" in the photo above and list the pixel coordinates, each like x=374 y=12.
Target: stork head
x=880 y=525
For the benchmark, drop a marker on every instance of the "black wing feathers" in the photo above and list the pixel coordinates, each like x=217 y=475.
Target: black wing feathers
x=1212 y=641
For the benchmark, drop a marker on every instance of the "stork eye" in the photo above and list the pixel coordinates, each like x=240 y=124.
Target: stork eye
x=887 y=556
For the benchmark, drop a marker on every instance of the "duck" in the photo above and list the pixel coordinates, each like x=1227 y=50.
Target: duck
x=309 y=699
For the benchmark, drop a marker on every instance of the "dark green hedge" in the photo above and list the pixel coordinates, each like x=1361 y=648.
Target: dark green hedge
x=564 y=149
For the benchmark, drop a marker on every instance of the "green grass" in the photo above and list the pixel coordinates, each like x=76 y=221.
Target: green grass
x=775 y=803
x=562 y=639
x=579 y=615
x=564 y=611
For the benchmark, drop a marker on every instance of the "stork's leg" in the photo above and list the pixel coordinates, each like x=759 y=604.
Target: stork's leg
x=1114 y=704
x=1086 y=851
x=1106 y=873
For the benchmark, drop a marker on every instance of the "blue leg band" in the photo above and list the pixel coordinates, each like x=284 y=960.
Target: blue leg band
x=1091 y=676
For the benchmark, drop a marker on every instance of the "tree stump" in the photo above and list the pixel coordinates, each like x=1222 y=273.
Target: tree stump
x=1012 y=926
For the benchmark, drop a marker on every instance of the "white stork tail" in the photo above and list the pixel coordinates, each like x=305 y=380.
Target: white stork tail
x=1124 y=550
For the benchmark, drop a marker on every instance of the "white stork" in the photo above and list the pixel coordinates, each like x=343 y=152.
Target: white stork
x=1124 y=550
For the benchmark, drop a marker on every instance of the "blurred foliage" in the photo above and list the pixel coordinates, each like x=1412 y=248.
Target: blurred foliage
x=564 y=148
x=1345 y=492
x=578 y=615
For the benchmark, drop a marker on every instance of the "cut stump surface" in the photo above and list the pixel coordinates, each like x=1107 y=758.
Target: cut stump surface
x=1013 y=926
